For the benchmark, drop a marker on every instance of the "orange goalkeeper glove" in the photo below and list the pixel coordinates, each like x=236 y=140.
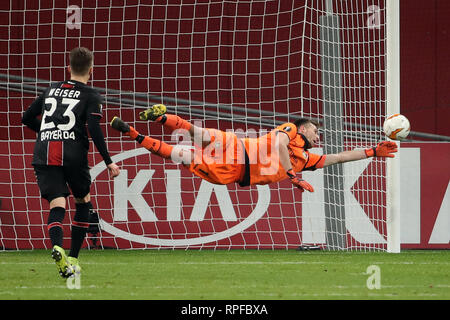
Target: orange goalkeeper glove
x=299 y=183
x=383 y=149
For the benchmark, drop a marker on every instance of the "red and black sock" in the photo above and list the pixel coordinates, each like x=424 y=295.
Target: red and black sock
x=80 y=225
x=54 y=225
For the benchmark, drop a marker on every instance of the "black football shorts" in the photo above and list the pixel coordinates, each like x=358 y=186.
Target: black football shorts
x=55 y=181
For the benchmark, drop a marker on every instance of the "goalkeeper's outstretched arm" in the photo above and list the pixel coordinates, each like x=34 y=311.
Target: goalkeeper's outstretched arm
x=383 y=149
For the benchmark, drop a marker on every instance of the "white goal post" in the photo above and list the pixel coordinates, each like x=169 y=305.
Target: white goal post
x=393 y=107
x=242 y=66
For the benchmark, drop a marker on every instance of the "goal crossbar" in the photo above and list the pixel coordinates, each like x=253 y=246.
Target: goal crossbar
x=23 y=84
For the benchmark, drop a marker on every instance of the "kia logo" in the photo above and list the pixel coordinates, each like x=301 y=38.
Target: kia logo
x=125 y=194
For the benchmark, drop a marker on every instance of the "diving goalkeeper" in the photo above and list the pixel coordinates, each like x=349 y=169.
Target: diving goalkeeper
x=222 y=158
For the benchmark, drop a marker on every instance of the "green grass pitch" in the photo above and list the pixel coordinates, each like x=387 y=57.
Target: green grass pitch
x=228 y=275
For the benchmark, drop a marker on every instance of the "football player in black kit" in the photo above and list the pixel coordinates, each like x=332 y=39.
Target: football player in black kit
x=59 y=116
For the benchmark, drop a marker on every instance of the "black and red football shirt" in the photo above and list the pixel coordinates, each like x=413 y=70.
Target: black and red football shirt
x=62 y=138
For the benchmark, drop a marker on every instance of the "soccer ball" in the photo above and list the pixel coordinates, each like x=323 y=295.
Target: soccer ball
x=396 y=127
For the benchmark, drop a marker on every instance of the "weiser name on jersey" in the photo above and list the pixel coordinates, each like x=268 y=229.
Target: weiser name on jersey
x=64 y=93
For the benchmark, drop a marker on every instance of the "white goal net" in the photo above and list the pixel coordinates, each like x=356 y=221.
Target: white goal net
x=245 y=66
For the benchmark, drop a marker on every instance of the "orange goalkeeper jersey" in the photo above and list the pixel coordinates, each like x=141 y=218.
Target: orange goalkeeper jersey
x=251 y=161
x=265 y=166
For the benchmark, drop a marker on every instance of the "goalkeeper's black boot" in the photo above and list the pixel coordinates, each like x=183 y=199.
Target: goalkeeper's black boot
x=120 y=125
x=153 y=113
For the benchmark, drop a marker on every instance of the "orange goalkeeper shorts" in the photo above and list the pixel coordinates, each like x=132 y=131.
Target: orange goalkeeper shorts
x=222 y=161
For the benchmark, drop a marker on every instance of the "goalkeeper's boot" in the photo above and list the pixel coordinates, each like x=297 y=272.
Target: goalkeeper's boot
x=124 y=127
x=153 y=113
x=62 y=263
x=120 y=125
x=75 y=265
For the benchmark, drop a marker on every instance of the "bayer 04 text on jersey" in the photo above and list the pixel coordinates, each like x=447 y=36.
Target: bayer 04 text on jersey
x=57 y=135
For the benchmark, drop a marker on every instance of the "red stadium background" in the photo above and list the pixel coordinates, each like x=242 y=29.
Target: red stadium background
x=137 y=62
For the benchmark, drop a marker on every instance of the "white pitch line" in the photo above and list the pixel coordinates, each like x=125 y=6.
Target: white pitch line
x=313 y=262
x=235 y=263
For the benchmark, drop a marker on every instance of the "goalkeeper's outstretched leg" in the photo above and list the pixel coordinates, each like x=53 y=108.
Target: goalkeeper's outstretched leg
x=158 y=113
x=204 y=163
x=155 y=146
